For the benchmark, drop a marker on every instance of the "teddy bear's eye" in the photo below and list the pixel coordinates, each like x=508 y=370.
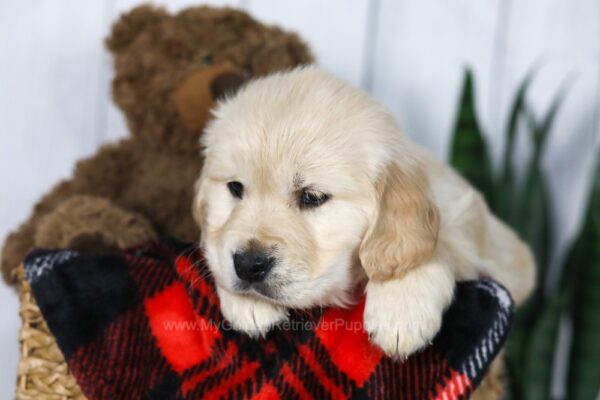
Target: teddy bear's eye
x=236 y=189
x=247 y=69
x=207 y=59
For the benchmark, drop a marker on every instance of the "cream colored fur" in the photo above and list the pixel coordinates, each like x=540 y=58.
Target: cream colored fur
x=397 y=221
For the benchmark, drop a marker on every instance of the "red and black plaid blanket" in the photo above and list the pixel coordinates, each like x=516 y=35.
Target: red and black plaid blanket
x=145 y=324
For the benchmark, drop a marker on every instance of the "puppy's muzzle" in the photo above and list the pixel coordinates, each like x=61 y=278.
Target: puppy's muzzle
x=252 y=265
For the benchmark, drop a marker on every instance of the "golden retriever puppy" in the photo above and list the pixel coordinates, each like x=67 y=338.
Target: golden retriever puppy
x=310 y=190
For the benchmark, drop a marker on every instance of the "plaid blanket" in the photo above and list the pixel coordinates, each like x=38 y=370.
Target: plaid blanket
x=145 y=324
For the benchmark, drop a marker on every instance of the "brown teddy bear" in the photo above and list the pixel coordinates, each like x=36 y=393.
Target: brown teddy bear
x=170 y=70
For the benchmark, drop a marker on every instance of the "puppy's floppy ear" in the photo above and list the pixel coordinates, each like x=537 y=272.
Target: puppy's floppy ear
x=199 y=203
x=403 y=233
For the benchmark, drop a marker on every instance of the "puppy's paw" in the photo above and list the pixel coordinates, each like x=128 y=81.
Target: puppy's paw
x=403 y=315
x=248 y=314
x=400 y=329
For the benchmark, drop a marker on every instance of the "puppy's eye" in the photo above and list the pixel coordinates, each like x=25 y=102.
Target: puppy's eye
x=207 y=59
x=312 y=198
x=236 y=189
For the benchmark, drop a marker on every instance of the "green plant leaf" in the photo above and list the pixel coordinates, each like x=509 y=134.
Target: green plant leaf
x=540 y=355
x=584 y=367
x=469 y=152
x=540 y=133
x=535 y=224
x=534 y=218
x=579 y=254
x=516 y=349
x=506 y=191
x=531 y=216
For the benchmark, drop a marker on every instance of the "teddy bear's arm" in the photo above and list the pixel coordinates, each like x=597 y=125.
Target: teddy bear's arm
x=20 y=241
x=103 y=175
x=107 y=172
x=92 y=224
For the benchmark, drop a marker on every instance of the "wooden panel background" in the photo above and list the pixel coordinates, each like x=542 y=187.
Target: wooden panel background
x=55 y=78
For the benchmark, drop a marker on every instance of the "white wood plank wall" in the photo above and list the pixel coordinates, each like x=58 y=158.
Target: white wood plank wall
x=55 y=79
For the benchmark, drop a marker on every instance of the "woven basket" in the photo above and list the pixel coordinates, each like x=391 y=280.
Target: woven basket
x=43 y=372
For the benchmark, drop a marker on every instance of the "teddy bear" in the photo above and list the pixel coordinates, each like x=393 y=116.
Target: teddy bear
x=170 y=69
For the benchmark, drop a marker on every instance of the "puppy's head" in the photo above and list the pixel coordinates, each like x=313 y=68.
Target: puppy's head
x=307 y=185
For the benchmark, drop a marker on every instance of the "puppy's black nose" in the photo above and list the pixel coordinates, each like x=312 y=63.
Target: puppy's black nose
x=252 y=265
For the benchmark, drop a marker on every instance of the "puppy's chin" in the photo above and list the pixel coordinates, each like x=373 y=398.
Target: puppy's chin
x=301 y=294
x=341 y=291
x=260 y=289
x=285 y=299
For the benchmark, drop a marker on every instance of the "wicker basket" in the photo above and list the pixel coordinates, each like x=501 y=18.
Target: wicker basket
x=43 y=372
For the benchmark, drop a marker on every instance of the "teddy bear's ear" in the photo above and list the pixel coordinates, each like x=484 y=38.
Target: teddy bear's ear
x=281 y=50
x=129 y=25
x=298 y=50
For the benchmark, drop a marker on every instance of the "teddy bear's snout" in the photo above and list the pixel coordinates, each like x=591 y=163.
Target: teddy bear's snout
x=197 y=93
x=225 y=83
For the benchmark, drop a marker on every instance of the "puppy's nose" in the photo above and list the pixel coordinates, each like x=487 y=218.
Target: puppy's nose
x=252 y=265
x=225 y=83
